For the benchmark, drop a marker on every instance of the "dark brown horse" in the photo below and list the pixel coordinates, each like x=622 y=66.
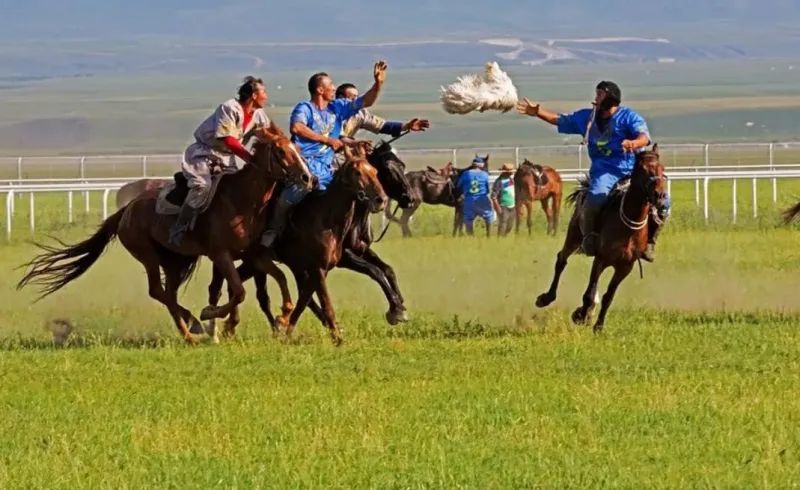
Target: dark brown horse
x=538 y=183
x=623 y=235
x=232 y=221
x=357 y=254
x=313 y=242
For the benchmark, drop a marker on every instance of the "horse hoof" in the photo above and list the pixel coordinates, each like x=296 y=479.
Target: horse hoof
x=337 y=340
x=598 y=328
x=190 y=340
x=211 y=327
x=395 y=316
x=544 y=300
x=208 y=313
x=196 y=327
x=578 y=316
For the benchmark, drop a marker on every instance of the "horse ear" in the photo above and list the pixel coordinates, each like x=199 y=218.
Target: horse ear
x=655 y=149
x=431 y=169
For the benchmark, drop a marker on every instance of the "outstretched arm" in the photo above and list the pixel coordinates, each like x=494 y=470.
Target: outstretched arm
x=535 y=109
x=379 y=74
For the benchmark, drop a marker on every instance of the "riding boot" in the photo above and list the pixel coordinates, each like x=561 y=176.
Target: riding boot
x=277 y=223
x=588 y=226
x=655 y=226
x=183 y=223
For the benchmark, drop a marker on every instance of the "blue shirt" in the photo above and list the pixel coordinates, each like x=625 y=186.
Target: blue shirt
x=605 y=138
x=327 y=122
x=473 y=183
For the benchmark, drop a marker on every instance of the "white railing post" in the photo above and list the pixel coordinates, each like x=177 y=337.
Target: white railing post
x=706 y=158
x=105 y=203
x=9 y=215
x=69 y=206
x=696 y=190
x=771 y=167
x=755 y=198
x=705 y=199
x=455 y=157
x=33 y=213
x=144 y=165
x=19 y=168
x=83 y=176
x=580 y=157
x=516 y=156
x=734 y=201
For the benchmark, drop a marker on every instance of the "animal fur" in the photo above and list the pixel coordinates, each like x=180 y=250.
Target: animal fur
x=492 y=90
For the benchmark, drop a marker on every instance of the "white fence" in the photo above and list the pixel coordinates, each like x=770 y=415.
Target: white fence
x=701 y=176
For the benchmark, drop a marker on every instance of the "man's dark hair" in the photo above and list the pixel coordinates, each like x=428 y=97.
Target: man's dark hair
x=248 y=88
x=341 y=89
x=613 y=93
x=315 y=81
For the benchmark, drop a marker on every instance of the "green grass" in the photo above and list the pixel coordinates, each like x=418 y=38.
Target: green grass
x=693 y=383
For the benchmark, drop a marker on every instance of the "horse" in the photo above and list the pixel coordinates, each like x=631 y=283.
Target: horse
x=537 y=183
x=432 y=186
x=314 y=240
x=231 y=222
x=357 y=254
x=622 y=235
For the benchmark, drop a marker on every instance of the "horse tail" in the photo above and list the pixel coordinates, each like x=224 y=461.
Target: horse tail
x=792 y=214
x=56 y=267
x=575 y=196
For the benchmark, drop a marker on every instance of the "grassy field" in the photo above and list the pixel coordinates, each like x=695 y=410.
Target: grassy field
x=692 y=384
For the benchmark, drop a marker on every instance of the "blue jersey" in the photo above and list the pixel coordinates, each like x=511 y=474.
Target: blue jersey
x=605 y=138
x=473 y=183
x=327 y=122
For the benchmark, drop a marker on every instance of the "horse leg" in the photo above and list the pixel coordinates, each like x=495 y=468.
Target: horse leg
x=214 y=295
x=224 y=262
x=171 y=284
x=518 y=216
x=590 y=298
x=556 y=197
x=371 y=265
x=327 y=306
x=571 y=244
x=621 y=271
x=276 y=273
x=262 y=295
x=305 y=288
x=529 y=207
x=405 y=218
x=547 y=213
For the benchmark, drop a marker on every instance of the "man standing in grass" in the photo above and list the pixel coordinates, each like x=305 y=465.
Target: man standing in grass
x=473 y=184
x=503 y=199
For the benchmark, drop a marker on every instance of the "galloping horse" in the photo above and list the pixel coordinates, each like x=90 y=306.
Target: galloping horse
x=357 y=254
x=538 y=183
x=232 y=221
x=313 y=242
x=623 y=235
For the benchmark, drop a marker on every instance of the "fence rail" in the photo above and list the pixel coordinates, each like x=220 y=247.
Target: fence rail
x=702 y=176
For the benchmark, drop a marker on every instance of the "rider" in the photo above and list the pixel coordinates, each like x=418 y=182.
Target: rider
x=219 y=137
x=613 y=134
x=315 y=125
x=473 y=184
x=364 y=119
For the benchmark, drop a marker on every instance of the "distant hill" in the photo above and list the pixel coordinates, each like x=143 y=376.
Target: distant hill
x=84 y=37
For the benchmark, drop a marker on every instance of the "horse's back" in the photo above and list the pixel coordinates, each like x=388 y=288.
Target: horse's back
x=132 y=190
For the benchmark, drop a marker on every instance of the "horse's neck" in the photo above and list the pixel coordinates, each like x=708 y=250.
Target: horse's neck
x=338 y=209
x=635 y=204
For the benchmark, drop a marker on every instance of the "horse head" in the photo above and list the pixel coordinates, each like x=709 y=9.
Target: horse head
x=648 y=175
x=275 y=153
x=360 y=178
x=391 y=173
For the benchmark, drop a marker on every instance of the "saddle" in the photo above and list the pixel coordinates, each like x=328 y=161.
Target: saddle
x=539 y=175
x=172 y=195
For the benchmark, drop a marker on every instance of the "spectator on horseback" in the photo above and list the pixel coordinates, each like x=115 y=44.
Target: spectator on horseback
x=613 y=133
x=219 y=137
x=504 y=200
x=473 y=185
x=316 y=125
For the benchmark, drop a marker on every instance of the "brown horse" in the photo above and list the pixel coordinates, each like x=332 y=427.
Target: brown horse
x=623 y=235
x=232 y=221
x=792 y=214
x=538 y=183
x=314 y=240
x=132 y=190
